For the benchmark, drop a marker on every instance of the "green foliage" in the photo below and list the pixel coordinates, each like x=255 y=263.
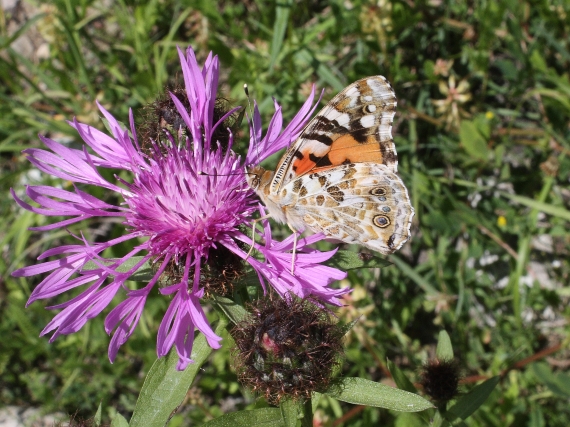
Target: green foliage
x=483 y=141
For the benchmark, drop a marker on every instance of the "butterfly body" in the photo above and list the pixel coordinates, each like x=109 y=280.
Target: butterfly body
x=339 y=177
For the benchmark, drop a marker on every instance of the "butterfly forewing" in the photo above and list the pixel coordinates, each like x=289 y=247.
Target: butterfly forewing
x=355 y=126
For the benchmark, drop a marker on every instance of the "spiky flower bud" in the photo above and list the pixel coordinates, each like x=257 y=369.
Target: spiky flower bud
x=287 y=348
x=440 y=379
x=161 y=120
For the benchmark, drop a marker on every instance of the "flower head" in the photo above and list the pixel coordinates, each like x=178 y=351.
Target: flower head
x=440 y=379
x=451 y=108
x=287 y=348
x=183 y=208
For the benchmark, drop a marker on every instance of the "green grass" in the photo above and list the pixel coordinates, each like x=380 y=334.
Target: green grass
x=487 y=173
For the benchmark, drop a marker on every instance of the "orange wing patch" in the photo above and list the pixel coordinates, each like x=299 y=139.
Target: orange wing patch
x=304 y=162
x=346 y=149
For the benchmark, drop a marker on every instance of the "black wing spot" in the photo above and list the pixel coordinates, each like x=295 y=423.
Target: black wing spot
x=389 y=156
x=361 y=135
x=322 y=138
x=378 y=191
x=320 y=161
x=390 y=241
x=299 y=155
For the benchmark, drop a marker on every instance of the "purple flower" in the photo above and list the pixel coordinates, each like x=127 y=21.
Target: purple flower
x=183 y=201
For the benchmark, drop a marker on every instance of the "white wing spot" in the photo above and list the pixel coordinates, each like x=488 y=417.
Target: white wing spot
x=342 y=119
x=351 y=92
x=368 y=98
x=371 y=108
x=367 y=121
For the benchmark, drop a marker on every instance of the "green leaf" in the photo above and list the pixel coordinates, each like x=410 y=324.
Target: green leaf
x=557 y=383
x=164 y=387
x=315 y=398
x=345 y=329
x=472 y=400
x=290 y=411
x=347 y=260
x=365 y=392
x=539 y=206
x=98 y=416
x=258 y=417
x=235 y=312
x=282 y=11
x=400 y=379
x=406 y=419
x=554 y=94
x=143 y=274
x=444 y=350
x=110 y=129
x=420 y=280
x=472 y=140
x=28 y=23
x=119 y=421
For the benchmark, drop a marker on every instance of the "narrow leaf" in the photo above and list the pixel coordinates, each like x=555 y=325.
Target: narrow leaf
x=28 y=23
x=347 y=327
x=235 y=312
x=347 y=260
x=472 y=400
x=98 y=416
x=414 y=275
x=258 y=417
x=365 y=392
x=143 y=274
x=400 y=379
x=282 y=11
x=165 y=387
x=444 y=350
x=539 y=206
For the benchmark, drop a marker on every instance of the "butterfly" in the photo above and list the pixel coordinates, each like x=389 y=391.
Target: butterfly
x=339 y=176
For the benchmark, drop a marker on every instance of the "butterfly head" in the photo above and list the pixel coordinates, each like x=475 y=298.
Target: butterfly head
x=258 y=178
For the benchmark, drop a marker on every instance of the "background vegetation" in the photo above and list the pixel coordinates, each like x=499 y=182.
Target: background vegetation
x=483 y=138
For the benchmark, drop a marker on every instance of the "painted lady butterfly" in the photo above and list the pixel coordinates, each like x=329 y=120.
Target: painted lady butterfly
x=339 y=176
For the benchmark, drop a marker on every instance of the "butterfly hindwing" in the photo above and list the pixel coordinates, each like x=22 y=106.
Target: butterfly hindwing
x=362 y=203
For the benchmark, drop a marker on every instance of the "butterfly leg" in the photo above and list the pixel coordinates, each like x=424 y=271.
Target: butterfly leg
x=253 y=224
x=296 y=234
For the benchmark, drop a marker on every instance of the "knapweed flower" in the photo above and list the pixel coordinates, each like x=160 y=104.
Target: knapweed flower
x=183 y=208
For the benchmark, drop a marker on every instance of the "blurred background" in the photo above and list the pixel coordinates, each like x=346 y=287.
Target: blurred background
x=483 y=138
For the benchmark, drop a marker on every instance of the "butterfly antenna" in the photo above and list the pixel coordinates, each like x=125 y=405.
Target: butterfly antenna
x=256 y=142
x=250 y=108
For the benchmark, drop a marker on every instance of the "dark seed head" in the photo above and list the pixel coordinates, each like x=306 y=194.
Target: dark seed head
x=287 y=348
x=440 y=379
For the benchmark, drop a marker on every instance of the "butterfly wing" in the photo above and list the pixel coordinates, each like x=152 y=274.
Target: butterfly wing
x=363 y=203
x=356 y=126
